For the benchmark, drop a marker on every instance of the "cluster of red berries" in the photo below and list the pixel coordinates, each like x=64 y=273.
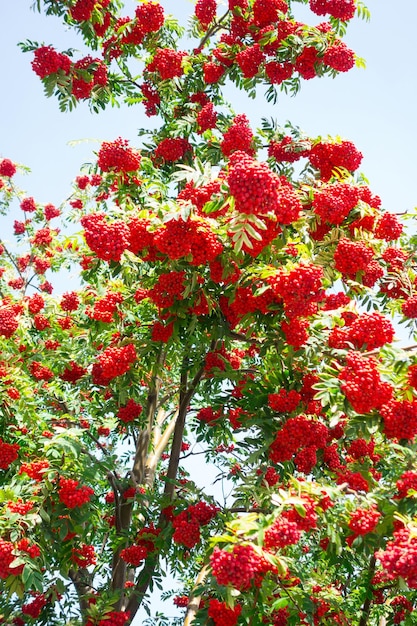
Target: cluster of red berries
x=117 y=156
x=20 y=507
x=340 y=9
x=84 y=555
x=34 y=608
x=300 y=437
x=130 y=411
x=7 y=556
x=8 y=453
x=208 y=415
x=205 y=12
x=281 y=534
x=194 y=238
x=206 y=118
x=327 y=157
x=400 y=419
x=116 y=361
x=181 y=601
x=105 y=307
x=284 y=401
x=388 y=227
x=161 y=331
x=362 y=384
x=107 y=240
x=172 y=149
x=150 y=16
x=40 y=372
x=368 y=330
x=300 y=289
x=168 y=289
x=239 y=567
x=406 y=482
x=134 y=555
x=48 y=61
x=73 y=372
x=333 y=202
x=112 y=618
x=238 y=137
x=339 y=57
x=399 y=559
x=9 y=322
x=351 y=257
x=223 y=615
x=287 y=150
x=249 y=60
x=7 y=168
x=187 y=524
x=364 y=521
x=87 y=73
x=167 y=62
x=72 y=494
x=35 y=470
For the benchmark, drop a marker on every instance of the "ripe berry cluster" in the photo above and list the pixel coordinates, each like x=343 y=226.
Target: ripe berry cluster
x=72 y=494
x=8 y=453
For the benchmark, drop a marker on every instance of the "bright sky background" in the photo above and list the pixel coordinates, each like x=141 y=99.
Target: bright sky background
x=375 y=108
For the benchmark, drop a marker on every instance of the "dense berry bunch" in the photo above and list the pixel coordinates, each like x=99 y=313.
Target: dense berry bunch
x=266 y=12
x=296 y=434
x=167 y=62
x=116 y=361
x=284 y=401
x=9 y=322
x=7 y=168
x=221 y=614
x=400 y=419
x=237 y=568
x=208 y=415
x=6 y=558
x=35 y=469
x=34 y=608
x=105 y=308
x=73 y=372
x=72 y=494
x=388 y=227
x=362 y=384
x=117 y=156
x=328 y=156
x=172 y=149
x=339 y=57
x=206 y=118
x=186 y=530
x=107 y=240
x=282 y=533
x=287 y=150
x=205 y=11
x=249 y=60
x=82 y=10
x=168 y=289
x=84 y=555
x=406 y=482
x=134 y=555
x=299 y=289
x=253 y=185
x=8 y=453
x=399 y=559
x=333 y=202
x=130 y=411
x=368 y=330
x=340 y=9
x=278 y=72
x=364 y=521
x=295 y=332
x=161 y=331
x=238 y=138
x=20 y=507
x=113 y=618
x=48 y=61
x=150 y=15
x=351 y=257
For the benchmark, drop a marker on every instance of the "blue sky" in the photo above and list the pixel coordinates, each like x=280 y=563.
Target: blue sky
x=374 y=108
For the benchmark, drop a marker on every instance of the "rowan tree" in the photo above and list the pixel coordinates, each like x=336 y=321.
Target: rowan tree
x=239 y=296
